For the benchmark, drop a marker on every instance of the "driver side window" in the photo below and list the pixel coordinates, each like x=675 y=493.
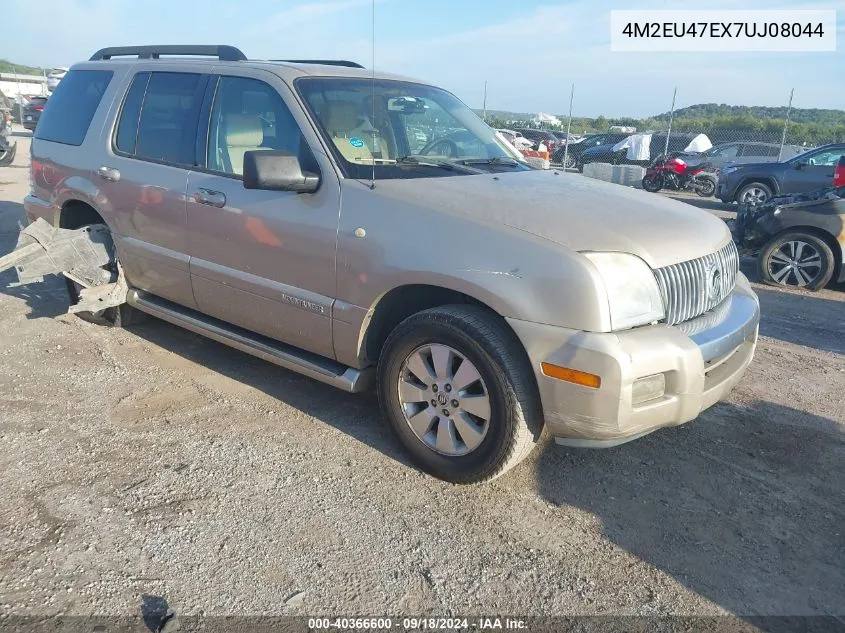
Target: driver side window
x=247 y=115
x=826 y=159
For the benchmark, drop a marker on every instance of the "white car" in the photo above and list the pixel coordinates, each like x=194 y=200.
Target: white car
x=54 y=77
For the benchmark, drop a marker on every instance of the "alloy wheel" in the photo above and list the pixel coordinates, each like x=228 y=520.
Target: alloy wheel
x=795 y=263
x=444 y=399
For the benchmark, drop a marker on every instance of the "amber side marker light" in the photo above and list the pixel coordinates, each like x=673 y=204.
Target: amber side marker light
x=571 y=375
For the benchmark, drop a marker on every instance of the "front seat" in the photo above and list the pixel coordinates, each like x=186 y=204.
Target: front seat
x=350 y=133
x=243 y=133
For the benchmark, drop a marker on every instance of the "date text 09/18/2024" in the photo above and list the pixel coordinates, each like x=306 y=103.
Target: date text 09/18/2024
x=418 y=624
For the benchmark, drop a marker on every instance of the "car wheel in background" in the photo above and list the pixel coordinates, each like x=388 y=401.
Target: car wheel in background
x=796 y=259
x=570 y=162
x=754 y=193
x=458 y=391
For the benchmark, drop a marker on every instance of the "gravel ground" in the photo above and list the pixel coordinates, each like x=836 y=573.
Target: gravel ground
x=150 y=465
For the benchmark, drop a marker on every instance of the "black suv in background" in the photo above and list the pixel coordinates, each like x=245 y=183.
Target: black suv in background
x=549 y=139
x=754 y=183
x=573 y=156
x=32 y=112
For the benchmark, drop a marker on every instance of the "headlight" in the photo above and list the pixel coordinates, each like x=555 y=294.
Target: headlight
x=632 y=291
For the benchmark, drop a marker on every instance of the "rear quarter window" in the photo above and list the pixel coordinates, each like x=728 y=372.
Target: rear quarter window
x=68 y=113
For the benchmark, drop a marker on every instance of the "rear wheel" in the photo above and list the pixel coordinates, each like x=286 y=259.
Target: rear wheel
x=458 y=391
x=754 y=193
x=706 y=187
x=797 y=259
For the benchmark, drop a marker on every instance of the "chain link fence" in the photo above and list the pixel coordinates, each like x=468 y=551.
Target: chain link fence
x=744 y=134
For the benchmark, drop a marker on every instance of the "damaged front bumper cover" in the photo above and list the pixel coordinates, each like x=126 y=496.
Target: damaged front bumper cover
x=86 y=256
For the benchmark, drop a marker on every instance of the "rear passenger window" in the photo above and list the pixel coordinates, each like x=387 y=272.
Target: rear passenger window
x=167 y=129
x=67 y=116
x=127 y=127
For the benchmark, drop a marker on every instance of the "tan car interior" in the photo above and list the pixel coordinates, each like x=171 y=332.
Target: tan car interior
x=344 y=122
x=241 y=133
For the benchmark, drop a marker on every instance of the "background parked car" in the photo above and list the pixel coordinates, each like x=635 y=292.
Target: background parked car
x=32 y=112
x=757 y=182
x=54 y=77
x=548 y=138
x=605 y=153
x=573 y=156
x=795 y=236
x=741 y=152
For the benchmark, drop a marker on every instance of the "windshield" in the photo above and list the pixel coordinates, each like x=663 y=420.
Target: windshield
x=404 y=129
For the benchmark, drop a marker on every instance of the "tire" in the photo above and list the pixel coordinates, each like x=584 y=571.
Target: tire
x=813 y=257
x=754 y=192
x=652 y=184
x=570 y=163
x=7 y=157
x=706 y=187
x=500 y=436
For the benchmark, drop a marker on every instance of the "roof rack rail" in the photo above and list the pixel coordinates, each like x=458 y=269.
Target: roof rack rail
x=321 y=62
x=223 y=53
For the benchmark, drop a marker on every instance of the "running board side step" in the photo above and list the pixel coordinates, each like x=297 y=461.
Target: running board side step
x=303 y=362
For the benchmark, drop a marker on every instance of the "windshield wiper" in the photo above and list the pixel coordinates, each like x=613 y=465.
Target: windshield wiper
x=495 y=161
x=441 y=164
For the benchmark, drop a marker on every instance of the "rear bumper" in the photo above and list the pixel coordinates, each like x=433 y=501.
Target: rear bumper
x=701 y=360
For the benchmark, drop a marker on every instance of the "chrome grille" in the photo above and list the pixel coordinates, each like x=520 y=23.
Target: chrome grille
x=695 y=286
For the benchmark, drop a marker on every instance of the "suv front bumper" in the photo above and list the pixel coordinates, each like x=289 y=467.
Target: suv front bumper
x=700 y=360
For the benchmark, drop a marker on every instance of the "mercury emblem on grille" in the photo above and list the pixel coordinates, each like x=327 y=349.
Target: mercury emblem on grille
x=714 y=281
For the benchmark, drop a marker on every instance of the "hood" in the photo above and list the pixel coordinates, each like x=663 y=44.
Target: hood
x=579 y=213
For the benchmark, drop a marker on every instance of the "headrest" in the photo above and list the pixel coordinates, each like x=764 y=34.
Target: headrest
x=244 y=130
x=340 y=117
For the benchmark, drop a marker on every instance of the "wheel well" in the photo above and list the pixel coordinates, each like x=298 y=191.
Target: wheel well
x=76 y=214
x=400 y=303
x=823 y=235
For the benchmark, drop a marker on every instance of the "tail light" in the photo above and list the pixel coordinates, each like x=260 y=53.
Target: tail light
x=839 y=174
x=39 y=108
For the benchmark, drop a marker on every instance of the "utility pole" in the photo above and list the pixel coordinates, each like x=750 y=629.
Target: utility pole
x=568 y=128
x=785 y=124
x=671 y=116
x=484 y=116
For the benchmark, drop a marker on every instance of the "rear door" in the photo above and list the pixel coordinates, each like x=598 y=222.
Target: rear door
x=144 y=175
x=262 y=260
x=813 y=170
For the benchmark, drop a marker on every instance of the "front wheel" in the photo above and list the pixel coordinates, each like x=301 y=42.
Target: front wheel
x=796 y=259
x=754 y=193
x=653 y=183
x=570 y=162
x=458 y=391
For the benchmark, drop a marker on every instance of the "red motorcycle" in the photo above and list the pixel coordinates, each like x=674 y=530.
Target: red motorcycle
x=671 y=172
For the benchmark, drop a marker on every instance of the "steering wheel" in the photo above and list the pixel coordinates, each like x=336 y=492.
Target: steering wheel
x=453 y=147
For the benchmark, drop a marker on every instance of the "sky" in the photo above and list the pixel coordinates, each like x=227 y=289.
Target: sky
x=529 y=51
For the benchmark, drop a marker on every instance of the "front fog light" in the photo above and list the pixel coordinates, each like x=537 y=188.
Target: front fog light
x=648 y=388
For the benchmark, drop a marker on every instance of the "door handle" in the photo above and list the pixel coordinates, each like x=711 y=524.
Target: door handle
x=210 y=197
x=108 y=173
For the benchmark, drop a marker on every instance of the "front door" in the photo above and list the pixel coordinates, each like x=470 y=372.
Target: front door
x=262 y=260
x=811 y=171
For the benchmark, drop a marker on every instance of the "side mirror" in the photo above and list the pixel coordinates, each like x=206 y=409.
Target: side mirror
x=799 y=165
x=277 y=171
